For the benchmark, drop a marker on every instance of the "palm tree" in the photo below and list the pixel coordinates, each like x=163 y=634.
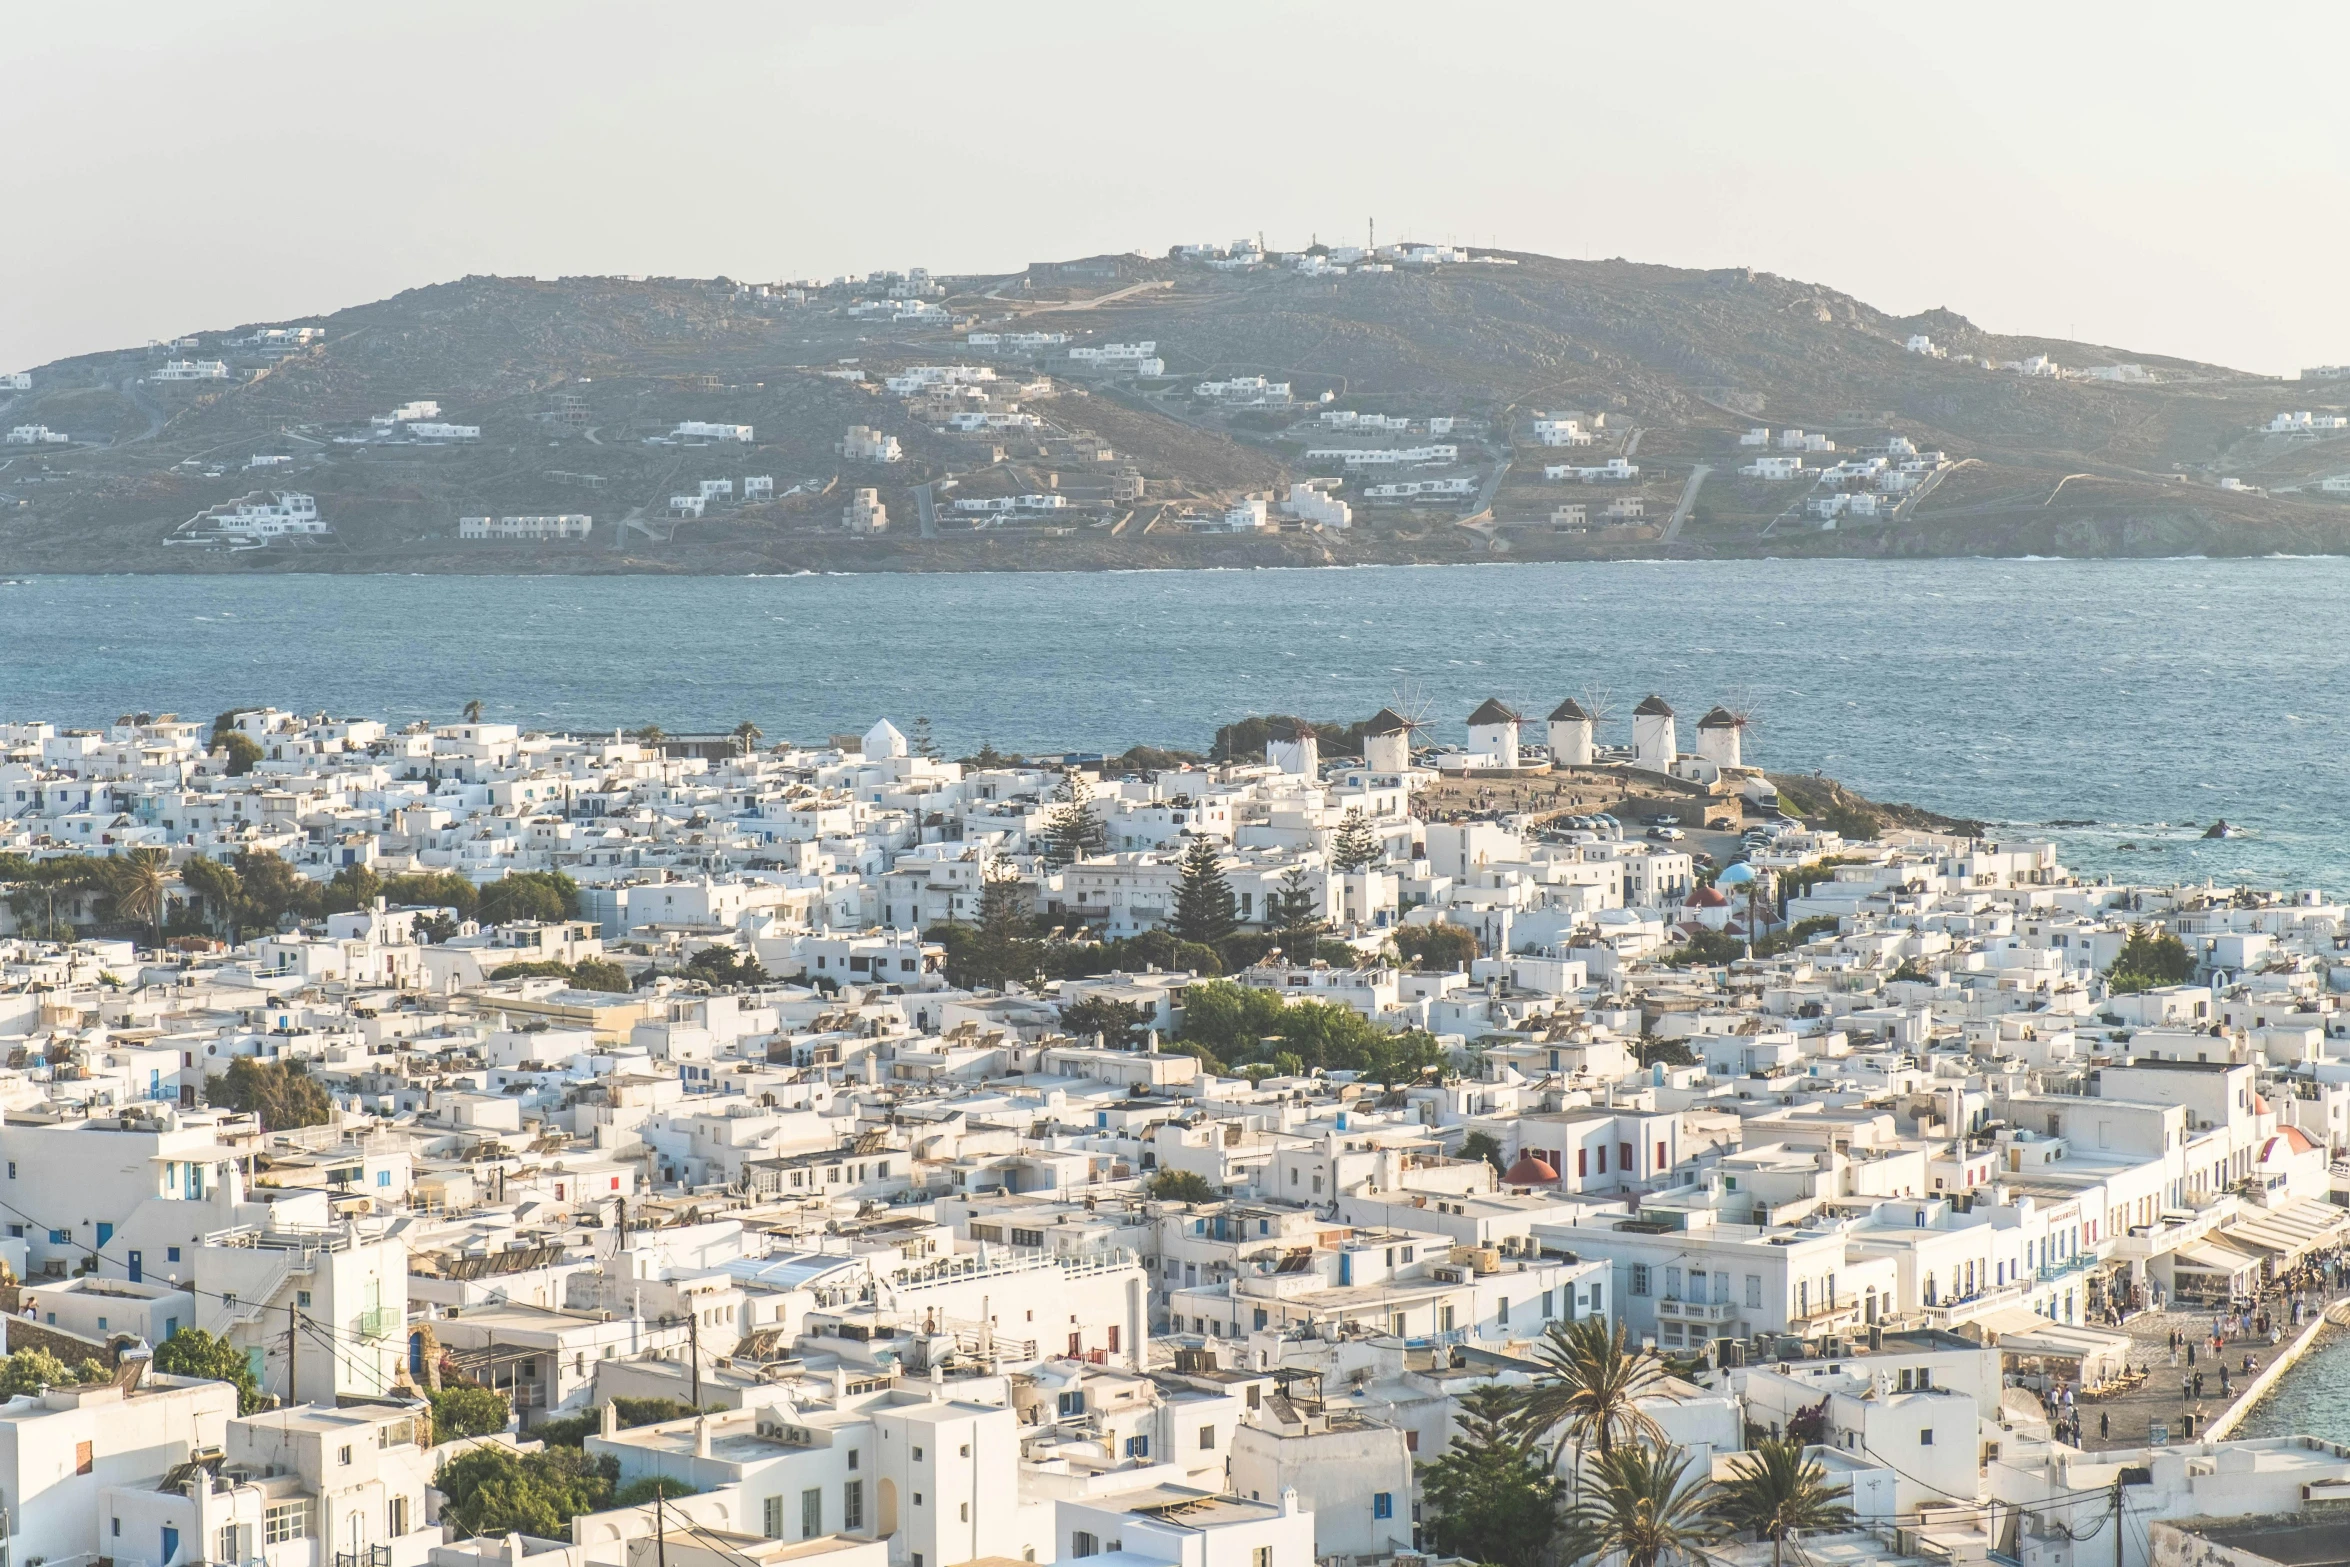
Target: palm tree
x=747 y=736
x=141 y=889
x=473 y=711
x=1779 y=1490
x=1640 y=1507
x=1596 y=1377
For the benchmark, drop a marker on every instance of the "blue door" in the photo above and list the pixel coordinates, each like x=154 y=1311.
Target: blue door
x=105 y=1234
x=171 y=1544
x=138 y=1265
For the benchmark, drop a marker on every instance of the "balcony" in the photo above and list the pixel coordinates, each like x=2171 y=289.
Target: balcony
x=1716 y=1312
x=381 y=1321
x=2078 y=1262
x=366 y=1556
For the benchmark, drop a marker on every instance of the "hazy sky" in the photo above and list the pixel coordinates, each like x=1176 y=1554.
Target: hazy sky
x=2165 y=178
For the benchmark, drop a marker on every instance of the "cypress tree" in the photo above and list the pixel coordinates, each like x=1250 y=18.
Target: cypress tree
x=1355 y=844
x=1203 y=899
x=1072 y=829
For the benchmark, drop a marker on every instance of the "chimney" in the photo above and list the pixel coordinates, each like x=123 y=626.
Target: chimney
x=609 y=1422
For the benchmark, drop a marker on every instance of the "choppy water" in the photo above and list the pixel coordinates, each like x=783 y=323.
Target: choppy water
x=2312 y=1398
x=2135 y=694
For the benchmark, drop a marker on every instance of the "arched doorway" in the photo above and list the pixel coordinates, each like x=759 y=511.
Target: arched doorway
x=886 y=1509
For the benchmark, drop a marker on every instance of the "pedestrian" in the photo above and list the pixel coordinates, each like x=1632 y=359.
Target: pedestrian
x=2190 y=1354
x=2104 y=1424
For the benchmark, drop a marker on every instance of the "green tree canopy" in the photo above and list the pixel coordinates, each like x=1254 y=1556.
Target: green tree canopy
x=463 y=1410
x=1123 y=1025
x=495 y=1490
x=1483 y=1145
x=192 y=1352
x=140 y=884
x=1779 y=1491
x=725 y=966
x=433 y=889
x=217 y=888
x=1203 y=899
x=1241 y=1024
x=2150 y=957
x=1640 y=1502
x=1593 y=1380
x=545 y=896
x=353 y=887
x=274 y=890
x=1355 y=845
x=1183 y=1186
x=1491 y=1497
x=1439 y=948
x=242 y=751
x=1295 y=913
x=1073 y=827
x=33 y=1371
x=600 y=974
x=282 y=1095
x=999 y=947
x=1128 y=954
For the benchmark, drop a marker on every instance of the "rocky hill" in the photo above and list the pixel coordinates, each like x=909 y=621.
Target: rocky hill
x=576 y=388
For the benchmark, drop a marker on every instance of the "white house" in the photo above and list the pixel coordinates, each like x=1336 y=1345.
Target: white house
x=1313 y=503
x=254 y=520
x=531 y=529
x=865 y=444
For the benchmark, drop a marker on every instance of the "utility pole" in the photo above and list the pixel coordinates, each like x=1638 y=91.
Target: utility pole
x=290 y=1399
x=660 y=1527
x=693 y=1339
x=2117 y=1518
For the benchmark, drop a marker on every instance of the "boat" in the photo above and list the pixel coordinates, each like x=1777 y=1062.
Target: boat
x=2221 y=829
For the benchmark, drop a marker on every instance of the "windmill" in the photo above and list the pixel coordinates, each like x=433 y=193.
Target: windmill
x=1728 y=728
x=1388 y=734
x=1408 y=705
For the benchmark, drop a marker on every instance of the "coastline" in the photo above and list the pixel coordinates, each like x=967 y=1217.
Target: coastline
x=2265 y=1383
x=318 y=565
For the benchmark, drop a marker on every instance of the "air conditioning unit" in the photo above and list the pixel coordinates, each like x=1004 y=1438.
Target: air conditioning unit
x=1449 y=1275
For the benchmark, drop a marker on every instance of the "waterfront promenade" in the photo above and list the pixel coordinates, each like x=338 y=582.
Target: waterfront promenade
x=2131 y=1419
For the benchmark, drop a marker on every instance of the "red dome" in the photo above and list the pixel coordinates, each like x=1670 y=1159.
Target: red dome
x=1707 y=898
x=1530 y=1171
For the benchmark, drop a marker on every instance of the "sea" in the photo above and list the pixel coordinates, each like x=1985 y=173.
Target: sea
x=2312 y=1398
x=2119 y=706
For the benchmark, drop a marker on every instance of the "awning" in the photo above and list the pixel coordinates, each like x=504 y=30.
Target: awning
x=2289 y=1233
x=2204 y=1257
x=2027 y=1333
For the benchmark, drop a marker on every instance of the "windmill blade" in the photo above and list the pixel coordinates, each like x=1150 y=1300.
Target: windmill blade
x=1409 y=701
x=1748 y=705
x=1600 y=703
